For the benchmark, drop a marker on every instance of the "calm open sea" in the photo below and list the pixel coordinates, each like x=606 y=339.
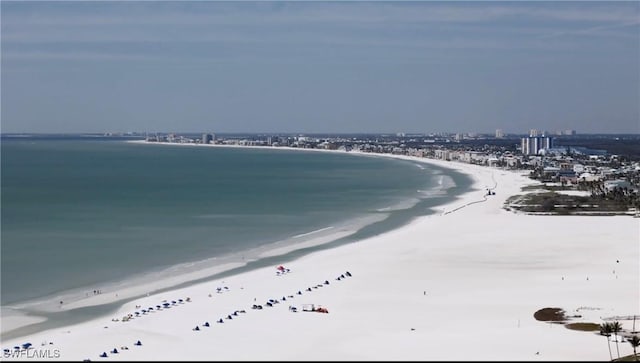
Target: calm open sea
x=82 y=212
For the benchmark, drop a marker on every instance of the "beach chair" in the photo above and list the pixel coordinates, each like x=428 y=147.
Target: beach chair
x=103 y=355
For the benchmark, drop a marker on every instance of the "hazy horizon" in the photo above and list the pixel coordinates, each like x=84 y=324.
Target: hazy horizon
x=320 y=67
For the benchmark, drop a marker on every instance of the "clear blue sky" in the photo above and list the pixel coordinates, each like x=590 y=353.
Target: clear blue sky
x=310 y=66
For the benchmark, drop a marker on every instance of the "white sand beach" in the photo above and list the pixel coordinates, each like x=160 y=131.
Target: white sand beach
x=462 y=284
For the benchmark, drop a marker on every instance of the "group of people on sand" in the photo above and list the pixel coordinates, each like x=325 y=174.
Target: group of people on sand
x=273 y=302
x=281 y=270
x=159 y=307
x=115 y=350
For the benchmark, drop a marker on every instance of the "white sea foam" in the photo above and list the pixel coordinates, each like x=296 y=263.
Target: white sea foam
x=312 y=232
x=432 y=193
x=401 y=205
x=446 y=182
x=319 y=237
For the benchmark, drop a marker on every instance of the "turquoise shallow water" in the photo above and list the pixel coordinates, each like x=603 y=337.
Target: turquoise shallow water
x=79 y=213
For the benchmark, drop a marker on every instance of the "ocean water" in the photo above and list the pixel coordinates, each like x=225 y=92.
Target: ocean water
x=79 y=214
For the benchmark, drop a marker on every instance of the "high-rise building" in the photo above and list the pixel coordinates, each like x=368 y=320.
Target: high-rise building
x=499 y=134
x=533 y=144
x=207 y=138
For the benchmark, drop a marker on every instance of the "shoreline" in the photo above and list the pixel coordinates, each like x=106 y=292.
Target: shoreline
x=114 y=294
x=480 y=286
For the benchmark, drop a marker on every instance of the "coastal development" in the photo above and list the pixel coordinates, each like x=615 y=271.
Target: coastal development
x=594 y=181
x=476 y=281
x=320 y=181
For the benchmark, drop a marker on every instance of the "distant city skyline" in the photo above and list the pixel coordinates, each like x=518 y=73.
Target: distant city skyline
x=320 y=67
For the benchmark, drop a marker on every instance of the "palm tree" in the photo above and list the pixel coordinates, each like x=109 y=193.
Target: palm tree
x=615 y=328
x=605 y=329
x=635 y=342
